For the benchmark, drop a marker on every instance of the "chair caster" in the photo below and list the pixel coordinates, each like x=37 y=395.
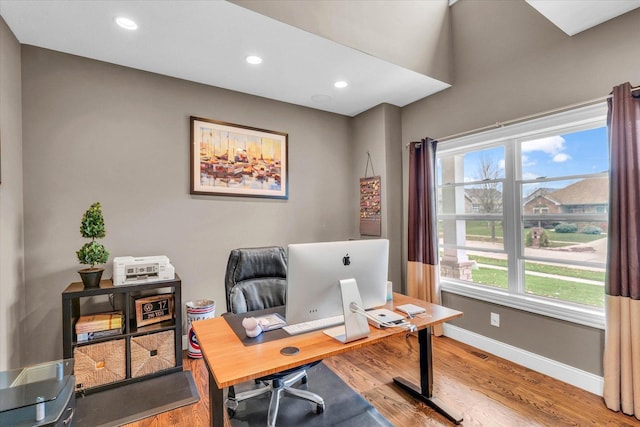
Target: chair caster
x=319 y=409
x=232 y=406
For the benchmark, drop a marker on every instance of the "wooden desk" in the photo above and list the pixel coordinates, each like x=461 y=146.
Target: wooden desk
x=229 y=362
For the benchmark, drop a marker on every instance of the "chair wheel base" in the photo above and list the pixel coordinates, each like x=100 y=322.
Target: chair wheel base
x=232 y=406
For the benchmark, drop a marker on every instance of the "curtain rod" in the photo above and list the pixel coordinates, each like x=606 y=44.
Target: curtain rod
x=529 y=117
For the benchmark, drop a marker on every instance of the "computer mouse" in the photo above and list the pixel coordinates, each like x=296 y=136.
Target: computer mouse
x=252 y=327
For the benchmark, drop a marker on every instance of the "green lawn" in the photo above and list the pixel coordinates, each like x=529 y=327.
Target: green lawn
x=573 y=237
x=566 y=271
x=483 y=228
x=592 y=295
x=545 y=268
x=487 y=260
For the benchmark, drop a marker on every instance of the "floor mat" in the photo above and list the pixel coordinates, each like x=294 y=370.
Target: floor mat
x=133 y=402
x=344 y=407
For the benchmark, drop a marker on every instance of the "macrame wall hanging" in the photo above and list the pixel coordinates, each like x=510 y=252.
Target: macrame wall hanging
x=370 y=208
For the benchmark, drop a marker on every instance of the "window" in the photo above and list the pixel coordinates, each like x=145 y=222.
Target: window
x=522 y=215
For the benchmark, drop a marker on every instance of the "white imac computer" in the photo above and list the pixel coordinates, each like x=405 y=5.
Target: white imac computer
x=315 y=270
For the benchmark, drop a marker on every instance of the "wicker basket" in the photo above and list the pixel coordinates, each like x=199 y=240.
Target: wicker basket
x=99 y=364
x=152 y=353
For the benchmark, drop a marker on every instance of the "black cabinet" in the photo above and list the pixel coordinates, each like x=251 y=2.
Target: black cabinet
x=140 y=352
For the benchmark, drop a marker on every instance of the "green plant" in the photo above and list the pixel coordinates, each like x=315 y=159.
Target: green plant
x=592 y=229
x=92 y=227
x=565 y=227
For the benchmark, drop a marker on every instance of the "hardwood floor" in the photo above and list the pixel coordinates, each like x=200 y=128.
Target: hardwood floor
x=488 y=390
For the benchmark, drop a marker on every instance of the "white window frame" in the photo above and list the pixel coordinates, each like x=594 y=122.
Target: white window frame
x=564 y=122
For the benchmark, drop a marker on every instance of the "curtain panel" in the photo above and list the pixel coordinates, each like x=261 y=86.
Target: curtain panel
x=422 y=265
x=622 y=335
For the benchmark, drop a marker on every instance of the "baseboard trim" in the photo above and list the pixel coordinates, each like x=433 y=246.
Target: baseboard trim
x=576 y=377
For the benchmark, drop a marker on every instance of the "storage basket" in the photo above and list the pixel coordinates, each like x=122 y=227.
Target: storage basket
x=99 y=364
x=152 y=353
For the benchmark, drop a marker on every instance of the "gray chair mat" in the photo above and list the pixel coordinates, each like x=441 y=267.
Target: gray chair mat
x=133 y=402
x=344 y=407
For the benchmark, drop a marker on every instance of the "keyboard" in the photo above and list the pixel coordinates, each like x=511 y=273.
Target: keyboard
x=314 y=325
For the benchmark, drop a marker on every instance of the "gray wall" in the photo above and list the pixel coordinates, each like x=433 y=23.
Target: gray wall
x=377 y=132
x=392 y=202
x=99 y=132
x=566 y=342
x=12 y=302
x=509 y=62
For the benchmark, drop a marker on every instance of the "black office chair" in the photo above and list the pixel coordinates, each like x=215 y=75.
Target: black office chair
x=256 y=279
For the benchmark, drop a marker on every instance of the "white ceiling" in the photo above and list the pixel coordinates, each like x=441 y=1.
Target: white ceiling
x=207 y=42
x=574 y=16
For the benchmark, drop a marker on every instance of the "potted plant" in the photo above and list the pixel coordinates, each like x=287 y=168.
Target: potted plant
x=92 y=253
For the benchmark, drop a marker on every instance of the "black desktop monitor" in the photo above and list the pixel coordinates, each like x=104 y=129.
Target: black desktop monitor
x=315 y=270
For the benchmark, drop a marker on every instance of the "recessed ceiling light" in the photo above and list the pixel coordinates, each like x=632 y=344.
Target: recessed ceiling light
x=126 y=23
x=341 y=84
x=254 y=60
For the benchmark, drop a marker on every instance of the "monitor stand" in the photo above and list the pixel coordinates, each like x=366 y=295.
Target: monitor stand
x=355 y=325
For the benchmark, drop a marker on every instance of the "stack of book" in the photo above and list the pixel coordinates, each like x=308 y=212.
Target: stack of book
x=99 y=325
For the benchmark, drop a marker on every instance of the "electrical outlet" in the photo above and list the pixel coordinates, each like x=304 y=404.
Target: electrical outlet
x=495 y=320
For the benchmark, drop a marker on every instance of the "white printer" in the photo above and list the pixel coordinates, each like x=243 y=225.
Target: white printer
x=128 y=270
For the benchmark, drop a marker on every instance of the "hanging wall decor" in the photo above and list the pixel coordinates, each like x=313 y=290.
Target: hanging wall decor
x=370 y=207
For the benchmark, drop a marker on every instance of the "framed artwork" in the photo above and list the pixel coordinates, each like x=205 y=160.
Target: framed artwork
x=235 y=160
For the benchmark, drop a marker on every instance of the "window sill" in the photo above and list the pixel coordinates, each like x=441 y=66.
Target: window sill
x=592 y=317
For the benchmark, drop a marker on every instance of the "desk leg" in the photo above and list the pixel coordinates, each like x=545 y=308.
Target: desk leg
x=216 y=403
x=424 y=393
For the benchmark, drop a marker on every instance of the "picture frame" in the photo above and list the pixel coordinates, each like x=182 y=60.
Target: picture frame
x=153 y=309
x=228 y=159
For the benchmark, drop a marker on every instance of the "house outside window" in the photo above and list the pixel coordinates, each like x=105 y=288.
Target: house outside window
x=522 y=215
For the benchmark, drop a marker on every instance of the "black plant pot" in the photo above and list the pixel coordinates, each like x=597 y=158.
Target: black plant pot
x=91 y=277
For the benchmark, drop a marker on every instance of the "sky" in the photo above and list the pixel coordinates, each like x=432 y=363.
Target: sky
x=577 y=153
x=570 y=154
